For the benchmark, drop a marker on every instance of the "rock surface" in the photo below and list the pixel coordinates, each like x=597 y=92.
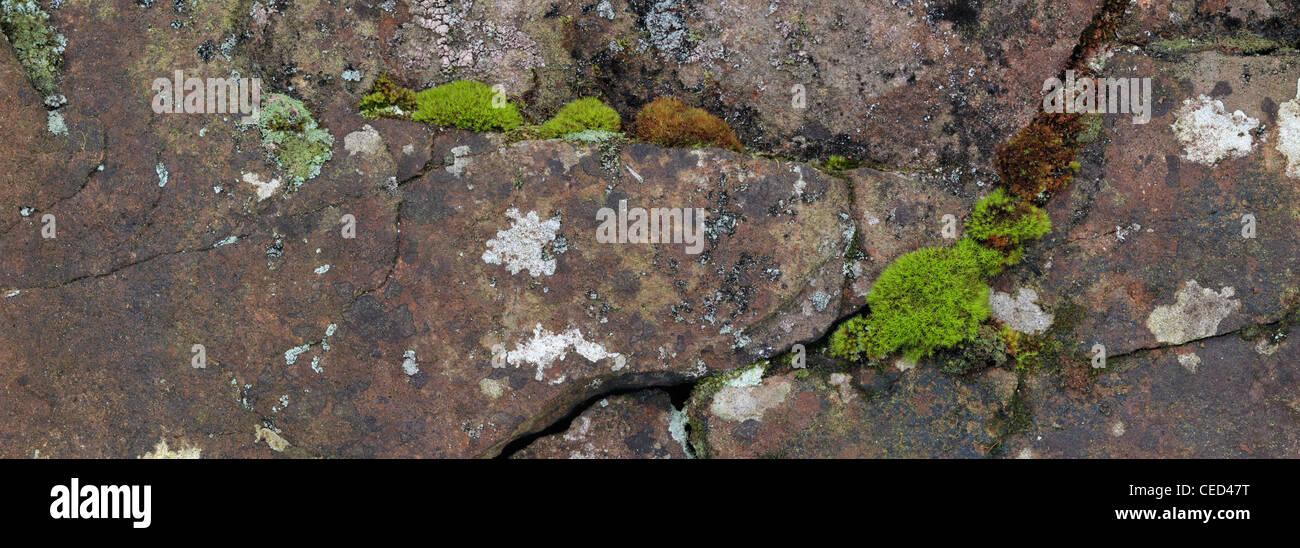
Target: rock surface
x=164 y=291
x=642 y=425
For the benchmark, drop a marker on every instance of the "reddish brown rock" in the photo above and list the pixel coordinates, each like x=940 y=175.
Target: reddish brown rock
x=1219 y=398
x=1148 y=244
x=641 y=425
x=817 y=413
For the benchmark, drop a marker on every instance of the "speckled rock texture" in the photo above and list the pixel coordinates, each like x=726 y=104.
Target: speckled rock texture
x=165 y=290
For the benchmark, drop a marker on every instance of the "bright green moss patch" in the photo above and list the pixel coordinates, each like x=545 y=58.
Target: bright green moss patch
x=583 y=114
x=292 y=138
x=466 y=105
x=1004 y=222
x=38 y=47
x=840 y=163
x=928 y=299
x=387 y=100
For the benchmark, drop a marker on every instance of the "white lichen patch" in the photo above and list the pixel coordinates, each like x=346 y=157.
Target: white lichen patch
x=844 y=383
x=677 y=420
x=1189 y=361
x=520 y=247
x=365 y=140
x=162 y=451
x=409 y=365
x=291 y=355
x=491 y=388
x=1288 y=133
x=1021 y=312
x=322 y=269
x=743 y=399
x=264 y=189
x=459 y=160
x=1209 y=134
x=161 y=170
x=54 y=123
x=546 y=347
x=1195 y=314
x=1265 y=348
x=1117 y=429
x=272 y=439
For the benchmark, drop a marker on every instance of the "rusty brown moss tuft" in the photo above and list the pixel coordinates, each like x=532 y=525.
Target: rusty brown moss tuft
x=668 y=122
x=1039 y=160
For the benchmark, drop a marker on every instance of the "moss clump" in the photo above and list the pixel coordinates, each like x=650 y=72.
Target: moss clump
x=1035 y=163
x=986 y=349
x=292 y=139
x=38 y=47
x=840 y=163
x=668 y=122
x=928 y=299
x=1003 y=222
x=581 y=115
x=466 y=105
x=387 y=99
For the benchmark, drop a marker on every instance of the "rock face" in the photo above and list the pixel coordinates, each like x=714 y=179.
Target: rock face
x=1151 y=240
x=165 y=290
x=1218 y=398
x=642 y=425
x=898 y=83
x=863 y=414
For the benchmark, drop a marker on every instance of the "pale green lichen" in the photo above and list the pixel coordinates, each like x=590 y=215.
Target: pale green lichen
x=292 y=138
x=38 y=47
x=55 y=123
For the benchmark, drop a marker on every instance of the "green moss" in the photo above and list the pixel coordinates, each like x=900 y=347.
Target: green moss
x=387 y=99
x=292 y=138
x=1002 y=221
x=586 y=114
x=928 y=299
x=840 y=163
x=465 y=105
x=986 y=349
x=38 y=47
x=1241 y=43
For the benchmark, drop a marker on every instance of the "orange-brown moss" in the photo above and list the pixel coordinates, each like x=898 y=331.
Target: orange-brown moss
x=668 y=122
x=1036 y=162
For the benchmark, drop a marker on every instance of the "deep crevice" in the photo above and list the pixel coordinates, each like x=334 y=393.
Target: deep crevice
x=678 y=392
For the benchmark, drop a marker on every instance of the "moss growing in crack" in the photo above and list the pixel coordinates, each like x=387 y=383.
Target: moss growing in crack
x=928 y=299
x=1035 y=163
x=582 y=115
x=1004 y=222
x=670 y=123
x=466 y=105
x=840 y=163
x=292 y=138
x=986 y=349
x=38 y=47
x=1241 y=43
x=387 y=99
